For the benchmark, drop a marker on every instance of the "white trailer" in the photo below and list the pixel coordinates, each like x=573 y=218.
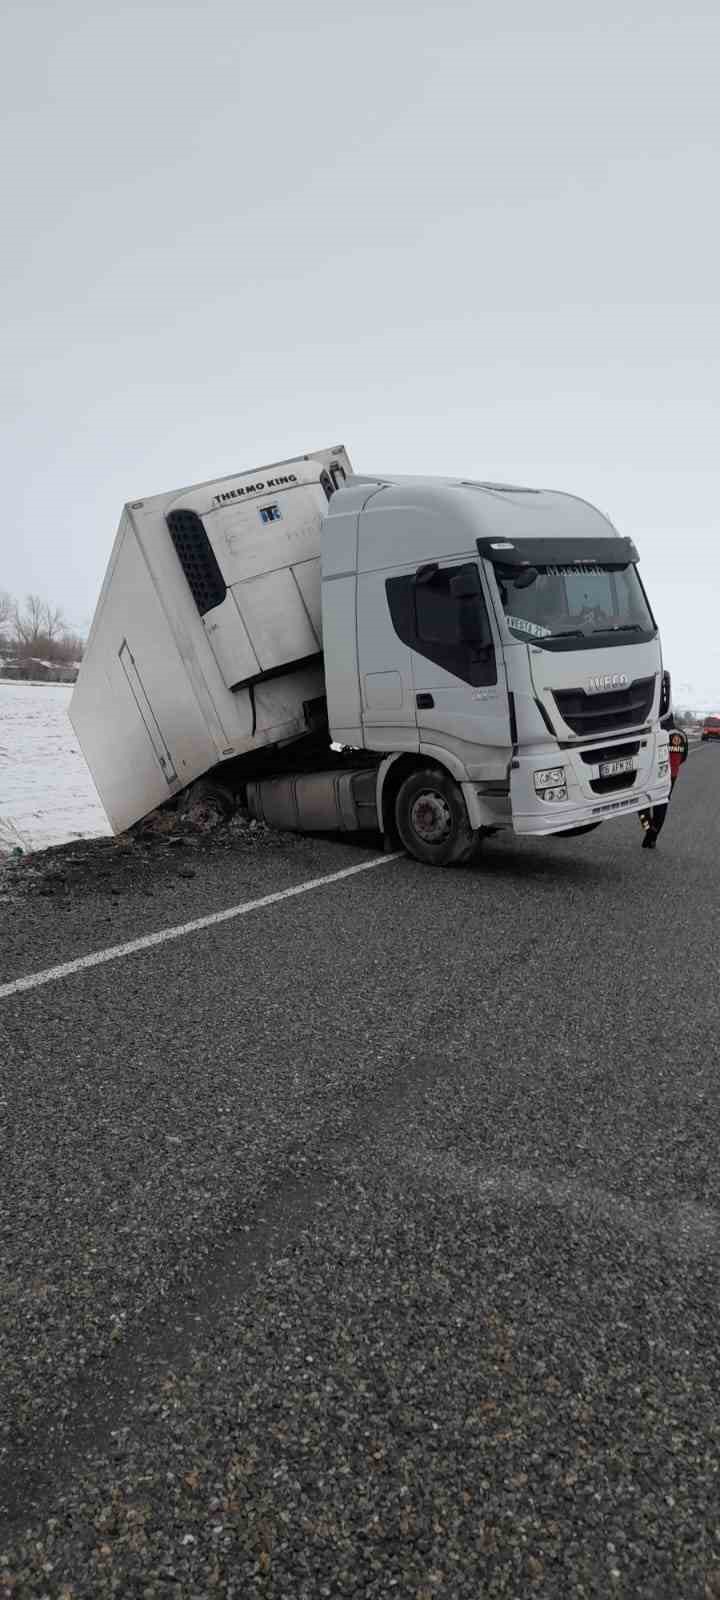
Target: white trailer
x=484 y=654
x=207 y=638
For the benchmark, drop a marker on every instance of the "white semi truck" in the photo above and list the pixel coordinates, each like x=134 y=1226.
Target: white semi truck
x=431 y=658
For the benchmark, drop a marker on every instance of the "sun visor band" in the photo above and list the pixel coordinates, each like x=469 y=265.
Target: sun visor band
x=598 y=552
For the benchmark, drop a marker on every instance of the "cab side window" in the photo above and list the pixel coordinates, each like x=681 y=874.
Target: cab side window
x=453 y=632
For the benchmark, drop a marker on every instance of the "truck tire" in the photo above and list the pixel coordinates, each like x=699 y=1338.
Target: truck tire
x=210 y=789
x=432 y=820
x=207 y=796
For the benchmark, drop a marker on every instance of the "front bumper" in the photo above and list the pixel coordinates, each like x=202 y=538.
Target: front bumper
x=583 y=806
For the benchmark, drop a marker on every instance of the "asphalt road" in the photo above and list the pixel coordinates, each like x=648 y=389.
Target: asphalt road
x=367 y=1244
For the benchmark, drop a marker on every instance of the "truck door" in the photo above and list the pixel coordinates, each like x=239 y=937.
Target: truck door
x=461 y=700
x=389 y=713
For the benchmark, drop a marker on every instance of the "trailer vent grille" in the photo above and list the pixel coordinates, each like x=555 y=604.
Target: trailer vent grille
x=197 y=559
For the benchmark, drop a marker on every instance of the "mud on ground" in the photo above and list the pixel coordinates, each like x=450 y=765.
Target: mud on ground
x=165 y=845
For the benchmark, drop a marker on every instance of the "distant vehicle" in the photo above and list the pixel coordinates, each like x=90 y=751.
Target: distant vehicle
x=710 y=729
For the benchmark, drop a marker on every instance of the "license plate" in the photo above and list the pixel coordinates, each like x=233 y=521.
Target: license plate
x=609 y=769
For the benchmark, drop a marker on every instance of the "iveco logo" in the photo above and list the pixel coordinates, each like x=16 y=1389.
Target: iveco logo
x=608 y=680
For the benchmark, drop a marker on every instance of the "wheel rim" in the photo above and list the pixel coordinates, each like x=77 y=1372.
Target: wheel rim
x=431 y=817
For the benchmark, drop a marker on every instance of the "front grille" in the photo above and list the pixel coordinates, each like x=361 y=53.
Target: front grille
x=593 y=714
x=612 y=752
x=620 y=780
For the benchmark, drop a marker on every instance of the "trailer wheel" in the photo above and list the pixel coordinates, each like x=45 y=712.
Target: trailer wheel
x=431 y=819
x=206 y=800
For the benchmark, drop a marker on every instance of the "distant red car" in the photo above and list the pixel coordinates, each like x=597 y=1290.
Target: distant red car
x=710 y=729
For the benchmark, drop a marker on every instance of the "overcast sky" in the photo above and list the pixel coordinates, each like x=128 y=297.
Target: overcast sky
x=461 y=239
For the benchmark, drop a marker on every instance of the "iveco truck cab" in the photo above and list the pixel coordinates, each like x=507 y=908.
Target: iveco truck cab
x=502 y=635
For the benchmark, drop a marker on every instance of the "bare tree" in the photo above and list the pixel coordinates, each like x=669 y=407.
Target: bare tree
x=54 y=624
x=41 y=632
x=29 y=623
x=7 y=610
x=69 y=648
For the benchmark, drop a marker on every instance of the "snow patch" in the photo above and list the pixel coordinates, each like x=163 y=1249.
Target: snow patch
x=47 y=795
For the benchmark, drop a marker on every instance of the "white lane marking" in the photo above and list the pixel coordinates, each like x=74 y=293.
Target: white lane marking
x=35 y=980
x=148 y=941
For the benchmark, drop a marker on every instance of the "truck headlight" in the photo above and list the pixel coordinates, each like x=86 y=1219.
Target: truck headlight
x=549 y=778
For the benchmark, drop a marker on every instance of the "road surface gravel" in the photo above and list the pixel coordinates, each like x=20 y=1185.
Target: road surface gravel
x=367 y=1244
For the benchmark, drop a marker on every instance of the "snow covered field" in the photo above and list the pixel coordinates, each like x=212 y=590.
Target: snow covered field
x=46 y=793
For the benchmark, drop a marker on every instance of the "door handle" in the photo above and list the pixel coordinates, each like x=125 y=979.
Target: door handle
x=424 y=701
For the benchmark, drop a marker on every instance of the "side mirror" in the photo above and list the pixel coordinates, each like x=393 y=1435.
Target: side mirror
x=466 y=585
x=466 y=589
x=426 y=573
x=472 y=627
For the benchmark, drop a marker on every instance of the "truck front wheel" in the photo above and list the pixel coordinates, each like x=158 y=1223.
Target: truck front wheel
x=431 y=819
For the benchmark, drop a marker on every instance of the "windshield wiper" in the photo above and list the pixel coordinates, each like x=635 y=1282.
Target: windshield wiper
x=622 y=627
x=568 y=633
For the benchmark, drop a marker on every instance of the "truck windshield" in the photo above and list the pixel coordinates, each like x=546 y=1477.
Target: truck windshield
x=577 y=606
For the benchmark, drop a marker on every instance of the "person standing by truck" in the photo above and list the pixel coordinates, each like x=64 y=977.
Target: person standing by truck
x=652 y=820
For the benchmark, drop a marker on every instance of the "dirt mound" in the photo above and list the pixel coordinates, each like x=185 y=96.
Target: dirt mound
x=166 y=842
